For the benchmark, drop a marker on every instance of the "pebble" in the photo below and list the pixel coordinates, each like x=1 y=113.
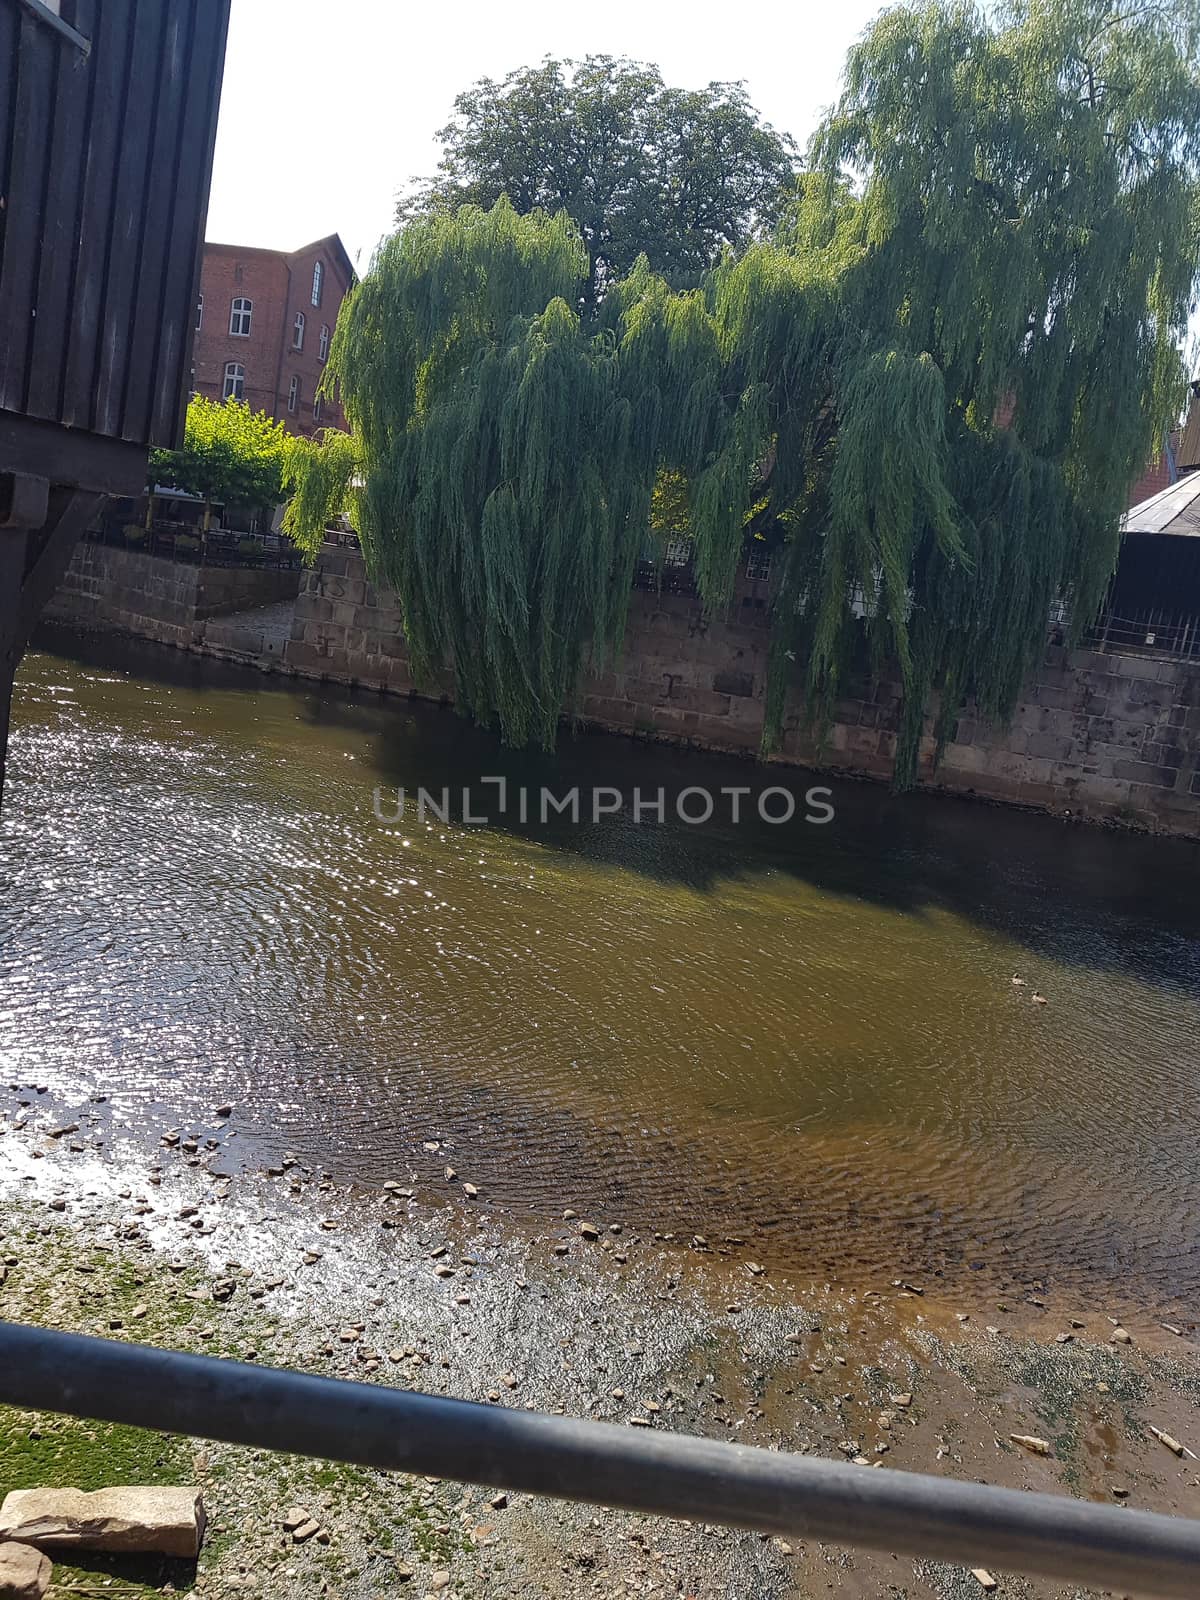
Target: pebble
x=1120 y=1336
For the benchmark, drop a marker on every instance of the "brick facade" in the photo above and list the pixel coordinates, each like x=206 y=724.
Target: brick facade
x=278 y=285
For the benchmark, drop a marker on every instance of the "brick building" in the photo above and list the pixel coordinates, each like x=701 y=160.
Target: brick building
x=263 y=325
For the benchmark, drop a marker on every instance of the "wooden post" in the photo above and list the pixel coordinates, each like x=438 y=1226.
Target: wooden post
x=33 y=558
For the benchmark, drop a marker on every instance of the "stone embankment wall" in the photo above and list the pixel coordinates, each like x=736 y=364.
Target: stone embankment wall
x=1099 y=734
x=155 y=598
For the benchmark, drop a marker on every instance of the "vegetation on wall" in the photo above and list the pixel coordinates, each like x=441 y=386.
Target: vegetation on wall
x=930 y=391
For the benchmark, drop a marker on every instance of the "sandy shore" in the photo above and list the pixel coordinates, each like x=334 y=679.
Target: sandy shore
x=177 y=1243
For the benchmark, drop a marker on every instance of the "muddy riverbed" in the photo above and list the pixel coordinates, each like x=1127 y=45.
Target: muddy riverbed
x=433 y=1290
x=831 y=1150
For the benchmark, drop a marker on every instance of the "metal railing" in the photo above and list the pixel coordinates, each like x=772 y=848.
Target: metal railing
x=220 y=547
x=1164 y=633
x=665 y=1474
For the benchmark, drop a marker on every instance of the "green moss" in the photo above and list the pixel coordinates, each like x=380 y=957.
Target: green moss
x=44 y=1449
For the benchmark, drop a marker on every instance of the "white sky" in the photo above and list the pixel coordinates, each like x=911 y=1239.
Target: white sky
x=330 y=106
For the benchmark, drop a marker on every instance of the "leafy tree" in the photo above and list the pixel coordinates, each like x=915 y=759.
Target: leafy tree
x=930 y=393
x=641 y=167
x=229 y=453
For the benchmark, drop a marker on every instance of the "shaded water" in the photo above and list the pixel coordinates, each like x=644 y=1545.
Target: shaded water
x=804 y=1037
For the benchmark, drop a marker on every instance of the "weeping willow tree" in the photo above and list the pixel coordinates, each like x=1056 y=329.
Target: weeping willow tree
x=930 y=392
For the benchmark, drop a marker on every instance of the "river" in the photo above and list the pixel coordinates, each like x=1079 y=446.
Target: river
x=806 y=1037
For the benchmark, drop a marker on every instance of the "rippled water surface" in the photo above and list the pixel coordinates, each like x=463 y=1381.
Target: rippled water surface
x=805 y=1037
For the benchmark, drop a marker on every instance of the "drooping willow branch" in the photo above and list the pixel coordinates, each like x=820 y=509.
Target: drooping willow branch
x=930 y=393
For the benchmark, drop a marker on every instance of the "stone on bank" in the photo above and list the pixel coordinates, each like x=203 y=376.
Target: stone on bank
x=24 y=1572
x=166 y=1521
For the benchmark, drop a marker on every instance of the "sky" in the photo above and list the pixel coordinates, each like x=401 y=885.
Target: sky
x=330 y=106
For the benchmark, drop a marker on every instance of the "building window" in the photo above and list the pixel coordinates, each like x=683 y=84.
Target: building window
x=758 y=563
x=239 y=318
x=294 y=394
x=298 y=332
x=235 y=380
x=678 y=552
x=323 y=347
x=318 y=282
x=199 y=311
x=317 y=409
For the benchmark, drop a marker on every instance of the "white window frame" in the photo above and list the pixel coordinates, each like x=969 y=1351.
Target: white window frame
x=323 y=346
x=234 y=386
x=294 y=393
x=318 y=283
x=199 y=311
x=241 y=312
x=758 y=563
x=298 y=332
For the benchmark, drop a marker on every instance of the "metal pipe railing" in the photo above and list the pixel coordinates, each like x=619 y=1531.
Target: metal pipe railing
x=666 y=1474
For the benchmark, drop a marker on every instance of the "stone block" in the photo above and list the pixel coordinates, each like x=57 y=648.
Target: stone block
x=962 y=756
x=24 y=1572
x=1145 y=772
x=166 y=1521
x=1049 y=746
x=1163 y=755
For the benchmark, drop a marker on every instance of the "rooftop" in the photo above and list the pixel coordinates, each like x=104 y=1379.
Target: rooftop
x=1174 y=510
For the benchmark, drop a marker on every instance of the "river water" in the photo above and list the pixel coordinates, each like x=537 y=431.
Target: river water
x=802 y=1036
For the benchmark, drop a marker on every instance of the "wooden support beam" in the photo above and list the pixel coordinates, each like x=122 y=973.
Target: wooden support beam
x=32 y=564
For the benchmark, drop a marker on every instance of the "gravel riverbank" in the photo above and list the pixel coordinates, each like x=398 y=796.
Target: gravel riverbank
x=169 y=1237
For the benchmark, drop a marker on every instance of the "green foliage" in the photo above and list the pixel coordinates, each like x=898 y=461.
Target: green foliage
x=229 y=453
x=930 y=392
x=642 y=168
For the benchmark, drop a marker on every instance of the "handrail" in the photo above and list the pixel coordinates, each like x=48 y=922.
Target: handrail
x=642 y=1470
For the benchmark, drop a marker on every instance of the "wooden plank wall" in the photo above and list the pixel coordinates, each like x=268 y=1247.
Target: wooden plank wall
x=105 y=162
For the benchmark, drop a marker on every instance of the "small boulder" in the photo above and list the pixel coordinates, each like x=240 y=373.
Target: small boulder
x=24 y=1572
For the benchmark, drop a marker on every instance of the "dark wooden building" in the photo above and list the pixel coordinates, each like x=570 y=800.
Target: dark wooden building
x=108 y=114
x=1153 y=602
